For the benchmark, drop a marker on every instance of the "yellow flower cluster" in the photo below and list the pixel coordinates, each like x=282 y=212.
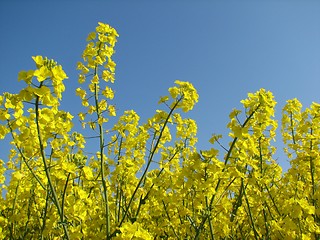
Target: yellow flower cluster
x=148 y=180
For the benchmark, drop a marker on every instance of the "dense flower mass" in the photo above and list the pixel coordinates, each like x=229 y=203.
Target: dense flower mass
x=148 y=180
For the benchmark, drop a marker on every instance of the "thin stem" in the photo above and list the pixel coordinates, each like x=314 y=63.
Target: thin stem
x=168 y=216
x=210 y=222
x=24 y=159
x=46 y=169
x=45 y=213
x=101 y=149
x=149 y=162
x=64 y=194
x=256 y=235
x=225 y=164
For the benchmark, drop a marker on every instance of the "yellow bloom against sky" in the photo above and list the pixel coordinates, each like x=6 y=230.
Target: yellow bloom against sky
x=149 y=180
x=225 y=48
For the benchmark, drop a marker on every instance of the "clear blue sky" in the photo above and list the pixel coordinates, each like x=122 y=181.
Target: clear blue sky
x=225 y=48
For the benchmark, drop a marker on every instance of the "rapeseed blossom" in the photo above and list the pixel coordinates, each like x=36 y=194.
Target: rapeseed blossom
x=148 y=180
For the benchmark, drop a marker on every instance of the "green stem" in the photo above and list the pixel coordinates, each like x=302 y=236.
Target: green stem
x=256 y=235
x=210 y=222
x=25 y=159
x=168 y=216
x=45 y=214
x=101 y=146
x=46 y=169
x=148 y=163
x=225 y=164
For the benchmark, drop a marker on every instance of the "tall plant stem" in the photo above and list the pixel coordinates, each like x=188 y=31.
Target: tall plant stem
x=46 y=169
x=101 y=150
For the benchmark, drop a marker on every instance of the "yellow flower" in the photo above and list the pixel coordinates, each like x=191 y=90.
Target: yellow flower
x=112 y=110
x=40 y=92
x=95 y=79
x=87 y=172
x=26 y=76
x=81 y=93
x=111 y=65
x=17 y=175
x=108 y=93
x=91 y=36
x=58 y=73
x=38 y=60
x=42 y=73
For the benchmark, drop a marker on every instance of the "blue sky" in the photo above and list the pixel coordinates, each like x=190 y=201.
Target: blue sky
x=225 y=48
